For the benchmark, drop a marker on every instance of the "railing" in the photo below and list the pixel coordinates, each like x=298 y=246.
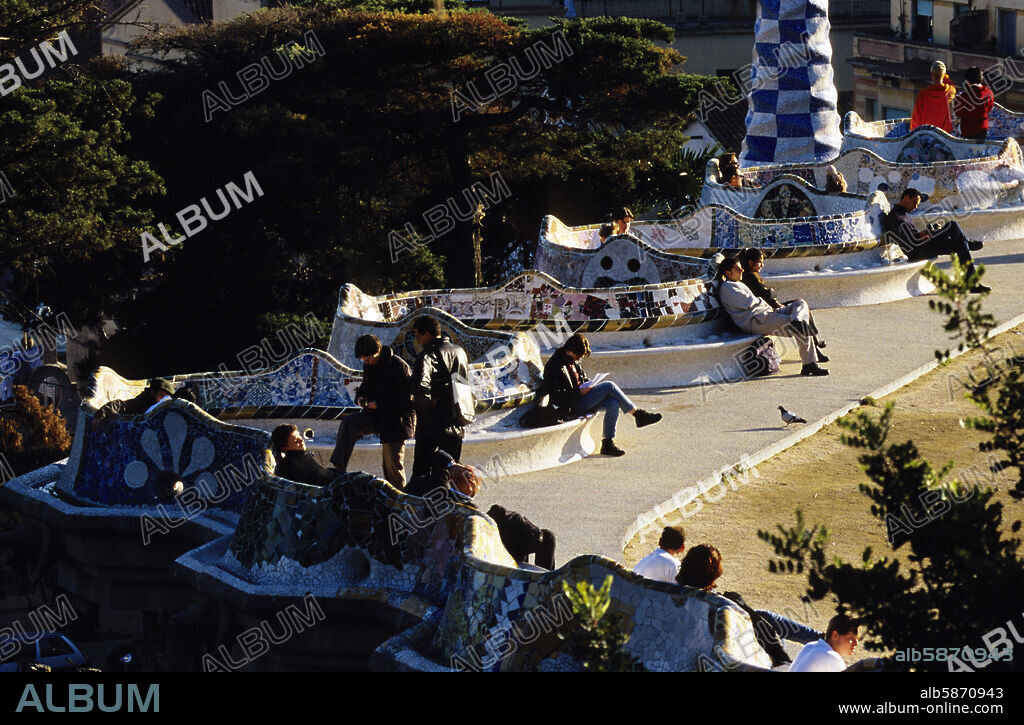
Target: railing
x=689 y=12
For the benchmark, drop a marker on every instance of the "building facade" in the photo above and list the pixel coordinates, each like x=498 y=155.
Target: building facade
x=890 y=68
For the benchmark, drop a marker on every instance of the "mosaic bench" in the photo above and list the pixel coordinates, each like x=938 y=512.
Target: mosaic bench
x=981 y=193
x=1002 y=124
x=842 y=273
x=444 y=563
x=118 y=464
x=315 y=390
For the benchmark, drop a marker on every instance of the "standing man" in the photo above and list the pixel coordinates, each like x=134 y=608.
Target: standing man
x=385 y=396
x=432 y=393
x=663 y=563
x=826 y=655
x=932 y=104
x=973 y=105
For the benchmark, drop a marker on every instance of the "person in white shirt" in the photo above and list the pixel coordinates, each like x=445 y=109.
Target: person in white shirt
x=663 y=563
x=826 y=655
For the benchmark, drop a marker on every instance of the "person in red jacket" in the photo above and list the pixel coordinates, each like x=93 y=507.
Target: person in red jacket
x=973 y=105
x=932 y=105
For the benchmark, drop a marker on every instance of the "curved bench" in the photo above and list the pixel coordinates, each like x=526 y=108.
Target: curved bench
x=444 y=564
x=1002 y=124
x=864 y=284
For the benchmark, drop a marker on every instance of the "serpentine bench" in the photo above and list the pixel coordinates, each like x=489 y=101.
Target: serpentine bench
x=444 y=564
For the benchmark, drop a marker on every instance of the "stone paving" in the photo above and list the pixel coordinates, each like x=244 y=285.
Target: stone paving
x=590 y=505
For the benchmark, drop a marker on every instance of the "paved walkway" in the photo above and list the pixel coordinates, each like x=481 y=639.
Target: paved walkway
x=591 y=504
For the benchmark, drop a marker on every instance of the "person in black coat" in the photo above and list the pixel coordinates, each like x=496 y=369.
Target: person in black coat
x=573 y=395
x=439 y=360
x=520 y=537
x=293 y=462
x=385 y=396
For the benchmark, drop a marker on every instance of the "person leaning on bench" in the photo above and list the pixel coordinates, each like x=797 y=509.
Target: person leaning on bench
x=385 y=396
x=520 y=537
x=158 y=391
x=936 y=240
x=294 y=462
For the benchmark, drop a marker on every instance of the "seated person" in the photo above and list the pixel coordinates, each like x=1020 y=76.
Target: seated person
x=752 y=260
x=294 y=463
x=826 y=654
x=973 y=105
x=662 y=564
x=701 y=568
x=520 y=537
x=569 y=389
x=936 y=240
x=834 y=181
x=158 y=392
x=752 y=314
x=621 y=219
x=932 y=104
x=604 y=232
x=729 y=168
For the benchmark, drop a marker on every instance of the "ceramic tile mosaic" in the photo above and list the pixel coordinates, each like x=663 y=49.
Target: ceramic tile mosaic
x=359 y=537
x=1002 y=124
x=622 y=261
x=791 y=115
x=533 y=299
x=965 y=184
x=117 y=464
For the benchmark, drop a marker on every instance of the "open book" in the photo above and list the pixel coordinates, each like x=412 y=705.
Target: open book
x=594 y=380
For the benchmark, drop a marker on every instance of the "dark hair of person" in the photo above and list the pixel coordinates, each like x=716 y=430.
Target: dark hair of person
x=974 y=75
x=747 y=257
x=577 y=344
x=701 y=566
x=672 y=538
x=605 y=231
x=911 y=192
x=725 y=265
x=280 y=436
x=184 y=393
x=728 y=167
x=621 y=213
x=841 y=623
x=367 y=346
x=424 y=325
x=833 y=185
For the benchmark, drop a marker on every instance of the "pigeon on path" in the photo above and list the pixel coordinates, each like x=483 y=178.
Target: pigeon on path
x=788 y=417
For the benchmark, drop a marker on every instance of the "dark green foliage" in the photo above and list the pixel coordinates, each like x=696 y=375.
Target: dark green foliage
x=598 y=639
x=969 y=325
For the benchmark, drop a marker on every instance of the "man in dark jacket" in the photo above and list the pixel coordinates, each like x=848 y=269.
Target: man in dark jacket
x=947 y=239
x=385 y=397
x=432 y=392
x=293 y=462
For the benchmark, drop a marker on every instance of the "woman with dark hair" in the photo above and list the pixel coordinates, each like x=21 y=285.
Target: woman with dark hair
x=570 y=389
x=835 y=183
x=752 y=260
x=752 y=314
x=973 y=105
x=729 y=169
x=701 y=569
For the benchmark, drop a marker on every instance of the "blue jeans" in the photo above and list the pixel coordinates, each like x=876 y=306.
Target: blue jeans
x=790 y=629
x=605 y=395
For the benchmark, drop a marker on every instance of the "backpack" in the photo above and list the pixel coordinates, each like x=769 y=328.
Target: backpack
x=759 y=358
x=462 y=398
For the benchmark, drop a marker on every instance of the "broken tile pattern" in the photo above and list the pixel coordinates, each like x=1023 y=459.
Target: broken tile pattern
x=118 y=464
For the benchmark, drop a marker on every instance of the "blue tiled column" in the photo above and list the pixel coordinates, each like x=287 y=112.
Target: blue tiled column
x=791 y=114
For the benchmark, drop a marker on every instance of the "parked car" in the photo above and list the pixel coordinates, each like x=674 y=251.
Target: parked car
x=51 y=649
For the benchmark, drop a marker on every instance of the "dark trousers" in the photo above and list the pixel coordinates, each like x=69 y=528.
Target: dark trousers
x=359 y=424
x=949 y=239
x=429 y=438
x=526 y=540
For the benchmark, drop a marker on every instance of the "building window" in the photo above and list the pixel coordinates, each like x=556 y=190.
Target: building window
x=892 y=114
x=923 y=20
x=870 y=109
x=959 y=8
x=1007 y=37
